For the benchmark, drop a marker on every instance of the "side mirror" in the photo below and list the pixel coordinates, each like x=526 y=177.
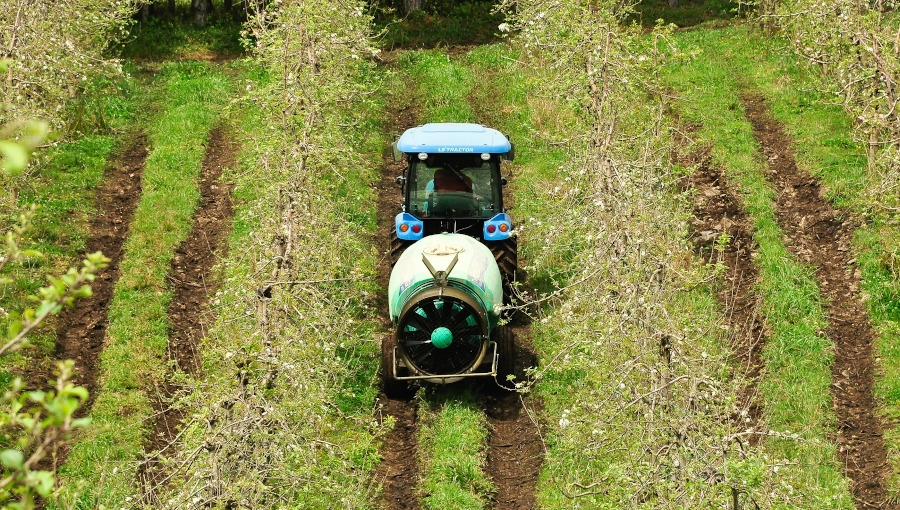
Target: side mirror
x=398 y=156
x=503 y=181
x=400 y=180
x=509 y=156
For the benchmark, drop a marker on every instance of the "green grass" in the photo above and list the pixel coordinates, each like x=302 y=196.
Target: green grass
x=62 y=187
x=795 y=385
x=688 y=12
x=103 y=461
x=178 y=39
x=452 y=450
x=826 y=149
x=441 y=85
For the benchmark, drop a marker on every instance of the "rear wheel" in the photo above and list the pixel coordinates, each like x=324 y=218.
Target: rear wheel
x=506 y=354
x=398 y=246
x=506 y=254
x=393 y=388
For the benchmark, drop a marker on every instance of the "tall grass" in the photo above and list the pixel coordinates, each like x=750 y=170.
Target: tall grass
x=795 y=384
x=101 y=468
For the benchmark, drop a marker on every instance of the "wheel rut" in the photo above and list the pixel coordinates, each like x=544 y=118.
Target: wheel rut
x=718 y=211
x=188 y=313
x=515 y=444
x=399 y=470
x=818 y=235
x=82 y=328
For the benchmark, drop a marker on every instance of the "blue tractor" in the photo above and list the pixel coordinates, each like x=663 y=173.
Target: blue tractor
x=452 y=184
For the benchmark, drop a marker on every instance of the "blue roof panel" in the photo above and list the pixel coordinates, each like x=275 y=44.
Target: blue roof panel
x=453 y=138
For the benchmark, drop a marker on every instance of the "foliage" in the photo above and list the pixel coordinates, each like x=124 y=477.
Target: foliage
x=35 y=424
x=439 y=23
x=854 y=45
x=55 y=49
x=283 y=412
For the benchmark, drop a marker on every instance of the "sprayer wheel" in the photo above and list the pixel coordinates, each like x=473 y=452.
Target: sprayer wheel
x=398 y=246
x=506 y=254
x=393 y=388
x=506 y=353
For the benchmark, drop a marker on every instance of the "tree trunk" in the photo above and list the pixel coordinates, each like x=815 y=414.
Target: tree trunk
x=172 y=8
x=412 y=5
x=200 y=9
x=673 y=3
x=145 y=12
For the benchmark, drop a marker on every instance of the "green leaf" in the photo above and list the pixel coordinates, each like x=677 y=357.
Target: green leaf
x=45 y=482
x=14 y=157
x=13 y=459
x=80 y=392
x=15 y=327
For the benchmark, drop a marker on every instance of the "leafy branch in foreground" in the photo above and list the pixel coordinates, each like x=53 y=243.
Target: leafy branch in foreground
x=35 y=424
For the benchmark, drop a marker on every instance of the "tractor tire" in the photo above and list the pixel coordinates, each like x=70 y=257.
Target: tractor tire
x=506 y=355
x=393 y=389
x=398 y=246
x=506 y=254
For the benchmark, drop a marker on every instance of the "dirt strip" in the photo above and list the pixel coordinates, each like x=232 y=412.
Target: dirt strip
x=82 y=328
x=188 y=314
x=718 y=211
x=818 y=235
x=515 y=446
x=399 y=470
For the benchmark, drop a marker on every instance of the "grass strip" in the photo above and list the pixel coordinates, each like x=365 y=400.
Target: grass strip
x=796 y=382
x=441 y=85
x=453 y=450
x=826 y=148
x=63 y=187
x=103 y=462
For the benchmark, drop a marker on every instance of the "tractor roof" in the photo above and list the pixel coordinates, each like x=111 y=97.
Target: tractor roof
x=453 y=138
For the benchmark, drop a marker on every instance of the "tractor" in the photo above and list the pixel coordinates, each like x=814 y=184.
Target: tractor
x=453 y=259
x=452 y=183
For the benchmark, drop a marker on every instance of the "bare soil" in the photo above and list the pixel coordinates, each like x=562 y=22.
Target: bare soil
x=82 y=328
x=399 y=470
x=821 y=236
x=206 y=244
x=718 y=211
x=515 y=445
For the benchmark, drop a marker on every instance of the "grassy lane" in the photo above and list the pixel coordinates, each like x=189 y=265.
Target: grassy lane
x=63 y=189
x=103 y=462
x=796 y=383
x=826 y=149
x=453 y=430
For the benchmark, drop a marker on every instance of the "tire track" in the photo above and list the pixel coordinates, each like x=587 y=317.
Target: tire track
x=399 y=470
x=188 y=314
x=818 y=235
x=82 y=328
x=718 y=211
x=515 y=445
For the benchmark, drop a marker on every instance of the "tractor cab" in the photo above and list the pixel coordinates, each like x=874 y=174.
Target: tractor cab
x=452 y=182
